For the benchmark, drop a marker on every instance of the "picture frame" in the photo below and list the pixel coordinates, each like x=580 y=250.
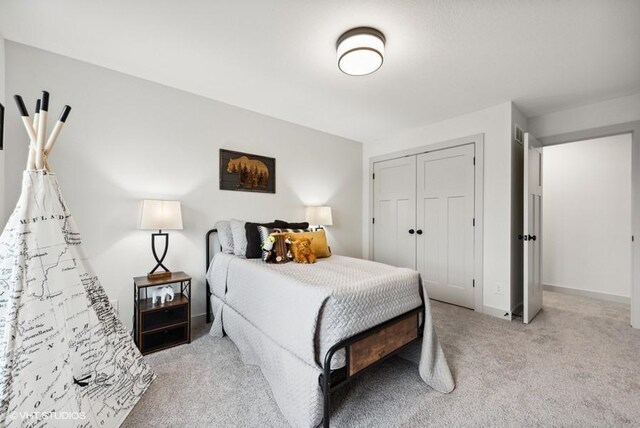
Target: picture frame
x=247 y=172
x=1 y=127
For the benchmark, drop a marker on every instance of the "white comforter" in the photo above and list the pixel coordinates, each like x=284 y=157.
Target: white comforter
x=305 y=309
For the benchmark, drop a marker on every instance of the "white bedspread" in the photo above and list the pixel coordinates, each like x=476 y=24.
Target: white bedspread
x=305 y=309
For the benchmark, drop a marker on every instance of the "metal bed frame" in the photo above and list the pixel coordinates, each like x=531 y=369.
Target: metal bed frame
x=330 y=380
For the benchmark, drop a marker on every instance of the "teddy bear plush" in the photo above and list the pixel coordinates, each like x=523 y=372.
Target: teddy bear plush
x=302 y=252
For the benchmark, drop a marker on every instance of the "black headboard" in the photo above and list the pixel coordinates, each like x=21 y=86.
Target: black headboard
x=212 y=244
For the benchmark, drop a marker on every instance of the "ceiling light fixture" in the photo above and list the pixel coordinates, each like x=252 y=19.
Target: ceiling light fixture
x=360 y=51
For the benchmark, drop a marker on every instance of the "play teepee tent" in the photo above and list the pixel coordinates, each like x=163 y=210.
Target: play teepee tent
x=65 y=358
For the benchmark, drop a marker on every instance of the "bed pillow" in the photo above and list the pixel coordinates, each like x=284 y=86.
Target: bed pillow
x=225 y=236
x=318 y=242
x=286 y=225
x=254 y=251
x=239 y=237
x=267 y=255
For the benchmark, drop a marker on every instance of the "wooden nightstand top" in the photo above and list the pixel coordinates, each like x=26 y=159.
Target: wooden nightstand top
x=143 y=281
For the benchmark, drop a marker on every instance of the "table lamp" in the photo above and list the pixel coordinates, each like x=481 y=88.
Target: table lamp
x=160 y=215
x=319 y=216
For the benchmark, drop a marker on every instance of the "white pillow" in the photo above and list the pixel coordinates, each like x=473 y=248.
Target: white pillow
x=225 y=236
x=239 y=238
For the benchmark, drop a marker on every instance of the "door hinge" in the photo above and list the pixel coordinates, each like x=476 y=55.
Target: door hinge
x=474 y=160
x=374 y=220
x=633 y=238
x=374 y=175
x=474 y=222
x=474 y=283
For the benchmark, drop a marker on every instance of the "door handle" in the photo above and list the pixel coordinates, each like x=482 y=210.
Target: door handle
x=532 y=238
x=411 y=231
x=519 y=237
x=525 y=237
x=419 y=231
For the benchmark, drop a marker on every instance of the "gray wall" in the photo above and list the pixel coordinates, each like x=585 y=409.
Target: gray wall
x=128 y=139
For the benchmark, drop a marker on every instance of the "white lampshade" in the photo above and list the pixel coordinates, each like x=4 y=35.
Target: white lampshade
x=360 y=51
x=319 y=216
x=160 y=215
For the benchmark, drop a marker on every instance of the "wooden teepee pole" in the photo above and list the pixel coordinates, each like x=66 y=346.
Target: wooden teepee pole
x=32 y=153
x=29 y=126
x=38 y=150
x=56 y=130
x=42 y=130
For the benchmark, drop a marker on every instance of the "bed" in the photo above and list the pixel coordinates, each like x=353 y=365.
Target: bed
x=313 y=328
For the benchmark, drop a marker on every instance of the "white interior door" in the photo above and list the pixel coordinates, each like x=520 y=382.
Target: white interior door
x=445 y=235
x=532 y=235
x=394 y=212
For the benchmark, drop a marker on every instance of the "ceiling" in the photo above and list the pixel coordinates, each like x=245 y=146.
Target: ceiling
x=443 y=58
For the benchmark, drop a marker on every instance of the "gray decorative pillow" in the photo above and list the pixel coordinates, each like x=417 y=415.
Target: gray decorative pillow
x=225 y=236
x=239 y=238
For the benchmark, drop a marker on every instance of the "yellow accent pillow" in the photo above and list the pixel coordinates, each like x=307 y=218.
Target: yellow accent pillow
x=318 y=242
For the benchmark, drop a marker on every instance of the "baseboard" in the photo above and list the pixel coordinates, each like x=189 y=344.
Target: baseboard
x=495 y=312
x=198 y=320
x=587 y=293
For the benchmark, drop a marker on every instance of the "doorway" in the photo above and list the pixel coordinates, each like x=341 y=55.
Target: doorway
x=587 y=218
x=587 y=212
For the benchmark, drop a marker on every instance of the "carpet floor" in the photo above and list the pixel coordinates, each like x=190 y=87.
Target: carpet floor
x=576 y=364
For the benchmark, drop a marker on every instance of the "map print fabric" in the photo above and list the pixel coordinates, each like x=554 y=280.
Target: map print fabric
x=63 y=350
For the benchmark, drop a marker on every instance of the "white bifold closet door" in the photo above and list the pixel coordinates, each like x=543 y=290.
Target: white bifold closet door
x=423 y=219
x=445 y=223
x=395 y=212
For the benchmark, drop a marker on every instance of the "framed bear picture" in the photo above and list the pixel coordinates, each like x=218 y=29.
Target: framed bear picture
x=1 y=126
x=247 y=172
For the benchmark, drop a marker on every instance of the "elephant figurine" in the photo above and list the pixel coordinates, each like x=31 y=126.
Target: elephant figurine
x=165 y=294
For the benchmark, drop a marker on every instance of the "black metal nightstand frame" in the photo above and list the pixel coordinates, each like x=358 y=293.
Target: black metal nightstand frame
x=162 y=325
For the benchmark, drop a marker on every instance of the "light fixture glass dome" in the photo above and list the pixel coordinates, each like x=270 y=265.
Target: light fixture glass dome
x=360 y=51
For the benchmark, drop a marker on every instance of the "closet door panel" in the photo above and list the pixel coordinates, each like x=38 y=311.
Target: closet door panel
x=456 y=241
x=394 y=213
x=429 y=242
x=445 y=210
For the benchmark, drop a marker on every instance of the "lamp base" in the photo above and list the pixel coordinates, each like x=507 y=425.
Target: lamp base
x=164 y=273
x=159 y=275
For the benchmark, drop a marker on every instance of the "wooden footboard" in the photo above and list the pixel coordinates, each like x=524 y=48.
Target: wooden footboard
x=367 y=349
x=378 y=345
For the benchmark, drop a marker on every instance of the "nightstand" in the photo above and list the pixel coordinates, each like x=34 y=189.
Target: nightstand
x=161 y=325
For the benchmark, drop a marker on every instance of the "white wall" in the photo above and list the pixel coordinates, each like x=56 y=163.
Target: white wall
x=605 y=113
x=495 y=124
x=128 y=139
x=587 y=215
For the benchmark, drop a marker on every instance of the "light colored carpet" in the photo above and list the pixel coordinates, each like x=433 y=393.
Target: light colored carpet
x=577 y=364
